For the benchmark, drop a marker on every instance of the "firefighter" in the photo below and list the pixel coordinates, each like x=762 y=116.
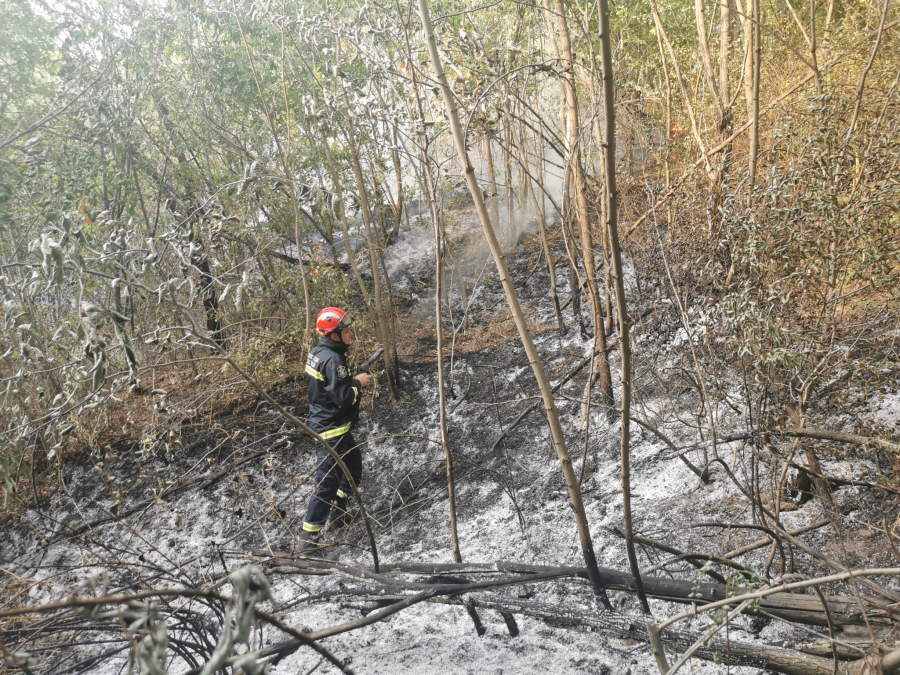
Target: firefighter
x=334 y=396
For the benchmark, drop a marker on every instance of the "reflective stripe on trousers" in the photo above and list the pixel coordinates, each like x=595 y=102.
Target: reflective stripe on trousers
x=331 y=481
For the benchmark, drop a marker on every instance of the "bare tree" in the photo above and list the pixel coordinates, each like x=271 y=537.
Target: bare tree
x=559 y=441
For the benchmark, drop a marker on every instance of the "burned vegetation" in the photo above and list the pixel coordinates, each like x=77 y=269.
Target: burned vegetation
x=162 y=548
x=625 y=283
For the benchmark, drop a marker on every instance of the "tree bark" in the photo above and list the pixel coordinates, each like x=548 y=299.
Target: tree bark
x=621 y=303
x=559 y=441
x=754 y=109
x=581 y=214
x=542 y=224
x=383 y=324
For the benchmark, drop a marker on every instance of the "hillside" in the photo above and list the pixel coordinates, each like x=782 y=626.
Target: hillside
x=628 y=276
x=232 y=493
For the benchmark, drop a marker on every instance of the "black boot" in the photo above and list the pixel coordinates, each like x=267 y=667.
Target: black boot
x=309 y=544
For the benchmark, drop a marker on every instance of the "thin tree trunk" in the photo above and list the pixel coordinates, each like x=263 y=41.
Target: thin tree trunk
x=492 y=181
x=439 y=326
x=382 y=326
x=685 y=94
x=706 y=57
x=726 y=121
x=665 y=67
x=581 y=213
x=812 y=45
x=754 y=110
x=798 y=21
x=394 y=362
x=829 y=16
x=576 y=502
x=461 y=277
x=342 y=216
x=624 y=324
x=598 y=135
x=862 y=79
x=511 y=226
x=384 y=332
x=724 y=49
x=607 y=282
x=554 y=50
x=542 y=225
x=745 y=8
x=399 y=205
x=574 y=283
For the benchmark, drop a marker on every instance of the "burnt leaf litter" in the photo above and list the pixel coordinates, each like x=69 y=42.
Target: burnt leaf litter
x=234 y=493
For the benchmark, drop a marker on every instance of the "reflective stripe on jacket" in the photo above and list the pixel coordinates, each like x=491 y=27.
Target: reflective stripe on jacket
x=333 y=393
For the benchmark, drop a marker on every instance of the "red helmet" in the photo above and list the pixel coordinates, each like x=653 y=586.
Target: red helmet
x=331 y=319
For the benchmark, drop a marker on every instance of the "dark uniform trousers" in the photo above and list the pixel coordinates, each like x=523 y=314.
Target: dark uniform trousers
x=331 y=483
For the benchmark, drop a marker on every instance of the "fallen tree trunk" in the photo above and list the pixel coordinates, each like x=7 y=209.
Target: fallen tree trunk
x=793 y=607
x=839 y=436
x=393 y=595
x=631 y=627
x=620 y=625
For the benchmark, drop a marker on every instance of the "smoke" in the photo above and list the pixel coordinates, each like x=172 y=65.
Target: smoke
x=514 y=209
x=517 y=206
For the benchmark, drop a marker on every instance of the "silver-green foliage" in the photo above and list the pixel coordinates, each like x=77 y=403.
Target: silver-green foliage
x=145 y=626
x=250 y=587
x=820 y=244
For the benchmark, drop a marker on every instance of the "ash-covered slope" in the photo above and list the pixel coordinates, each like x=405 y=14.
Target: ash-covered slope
x=511 y=497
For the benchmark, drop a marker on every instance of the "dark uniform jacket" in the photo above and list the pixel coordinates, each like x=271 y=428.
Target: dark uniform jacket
x=333 y=393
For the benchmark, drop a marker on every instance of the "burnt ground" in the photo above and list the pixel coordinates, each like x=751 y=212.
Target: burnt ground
x=511 y=497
